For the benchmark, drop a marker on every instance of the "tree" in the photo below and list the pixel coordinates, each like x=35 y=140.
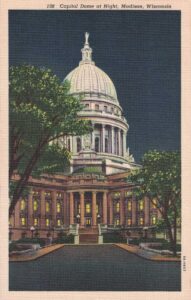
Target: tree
x=41 y=113
x=160 y=179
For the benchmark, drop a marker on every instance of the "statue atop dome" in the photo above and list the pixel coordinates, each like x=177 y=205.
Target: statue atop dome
x=86 y=38
x=87 y=51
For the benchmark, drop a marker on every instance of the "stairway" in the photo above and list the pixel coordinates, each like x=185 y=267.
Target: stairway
x=88 y=235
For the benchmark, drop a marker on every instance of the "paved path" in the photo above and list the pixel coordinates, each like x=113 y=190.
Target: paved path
x=94 y=268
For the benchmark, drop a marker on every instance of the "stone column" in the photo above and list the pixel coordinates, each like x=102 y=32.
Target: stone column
x=42 y=209
x=65 y=208
x=119 y=141
x=93 y=136
x=94 y=214
x=71 y=208
x=82 y=209
x=134 y=211
x=103 y=138
x=30 y=209
x=111 y=211
x=146 y=211
x=124 y=142
x=54 y=212
x=112 y=140
x=104 y=208
x=122 y=208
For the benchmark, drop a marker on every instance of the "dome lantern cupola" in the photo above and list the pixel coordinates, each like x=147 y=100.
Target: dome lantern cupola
x=86 y=51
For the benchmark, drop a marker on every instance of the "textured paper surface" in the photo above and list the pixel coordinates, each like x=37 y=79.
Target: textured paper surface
x=185 y=7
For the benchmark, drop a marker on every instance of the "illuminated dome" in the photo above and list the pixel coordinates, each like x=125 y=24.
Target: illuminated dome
x=107 y=140
x=91 y=80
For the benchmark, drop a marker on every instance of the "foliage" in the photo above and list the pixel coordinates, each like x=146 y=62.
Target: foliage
x=160 y=179
x=13 y=245
x=41 y=113
x=89 y=170
x=113 y=237
x=65 y=239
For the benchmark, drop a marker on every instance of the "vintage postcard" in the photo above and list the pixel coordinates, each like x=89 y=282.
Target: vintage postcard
x=95 y=178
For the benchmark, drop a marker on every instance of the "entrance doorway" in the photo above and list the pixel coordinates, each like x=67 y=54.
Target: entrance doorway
x=88 y=222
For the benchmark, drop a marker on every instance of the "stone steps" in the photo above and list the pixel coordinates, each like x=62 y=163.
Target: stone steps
x=88 y=238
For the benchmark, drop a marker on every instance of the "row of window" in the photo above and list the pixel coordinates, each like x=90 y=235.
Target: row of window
x=37 y=220
x=105 y=108
x=140 y=221
x=117 y=221
x=47 y=194
x=129 y=205
x=36 y=206
x=87 y=206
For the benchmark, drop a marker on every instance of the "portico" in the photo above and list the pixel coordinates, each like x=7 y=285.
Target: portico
x=88 y=208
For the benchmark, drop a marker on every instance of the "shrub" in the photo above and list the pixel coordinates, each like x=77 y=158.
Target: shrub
x=113 y=238
x=137 y=241
x=40 y=241
x=65 y=239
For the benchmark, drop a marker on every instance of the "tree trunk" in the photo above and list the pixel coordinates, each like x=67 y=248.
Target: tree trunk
x=171 y=237
x=24 y=178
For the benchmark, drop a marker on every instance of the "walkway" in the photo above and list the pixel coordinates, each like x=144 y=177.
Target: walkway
x=94 y=268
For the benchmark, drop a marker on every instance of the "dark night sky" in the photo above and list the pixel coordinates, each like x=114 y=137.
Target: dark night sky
x=139 y=50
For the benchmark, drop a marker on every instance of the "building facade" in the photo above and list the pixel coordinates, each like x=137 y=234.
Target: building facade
x=96 y=190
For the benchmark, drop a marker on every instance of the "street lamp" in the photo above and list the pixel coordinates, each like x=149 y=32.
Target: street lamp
x=32 y=229
x=78 y=218
x=98 y=216
x=145 y=231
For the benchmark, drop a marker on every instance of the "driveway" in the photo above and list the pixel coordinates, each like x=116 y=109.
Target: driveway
x=94 y=268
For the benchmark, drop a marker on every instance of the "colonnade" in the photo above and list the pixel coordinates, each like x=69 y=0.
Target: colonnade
x=93 y=208
x=68 y=213
x=116 y=139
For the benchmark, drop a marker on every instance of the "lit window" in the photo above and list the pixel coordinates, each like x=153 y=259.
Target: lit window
x=47 y=222
x=47 y=194
x=153 y=220
x=116 y=194
x=128 y=193
x=23 y=204
x=129 y=222
x=97 y=208
x=23 y=221
x=35 y=222
x=141 y=221
x=141 y=205
x=88 y=208
x=35 y=205
x=58 y=207
x=35 y=193
x=129 y=205
x=59 y=195
x=47 y=206
x=58 y=222
x=117 y=206
x=154 y=203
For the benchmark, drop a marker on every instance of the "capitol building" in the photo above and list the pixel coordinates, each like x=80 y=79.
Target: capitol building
x=96 y=189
